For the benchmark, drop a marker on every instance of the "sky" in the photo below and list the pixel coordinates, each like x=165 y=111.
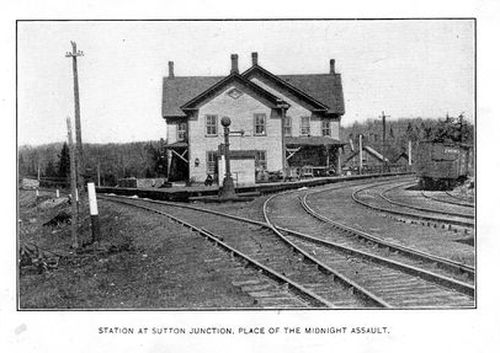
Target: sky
x=411 y=68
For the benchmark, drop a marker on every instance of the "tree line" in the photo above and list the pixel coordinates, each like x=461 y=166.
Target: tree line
x=148 y=159
x=400 y=131
x=113 y=161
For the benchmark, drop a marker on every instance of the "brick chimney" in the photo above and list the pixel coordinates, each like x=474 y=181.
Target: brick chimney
x=234 y=64
x=332 y=66
x=170 y=69
x=255 y=58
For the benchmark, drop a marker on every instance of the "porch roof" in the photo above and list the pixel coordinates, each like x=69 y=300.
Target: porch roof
x=312 y=141
x=178 y=144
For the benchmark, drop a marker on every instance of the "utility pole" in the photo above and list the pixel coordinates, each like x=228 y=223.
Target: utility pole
x=383 y=116
x=360 y=153
x=74 y=54
x=74 y=209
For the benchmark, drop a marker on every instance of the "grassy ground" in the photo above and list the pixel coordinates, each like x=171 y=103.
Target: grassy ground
x=143 y=261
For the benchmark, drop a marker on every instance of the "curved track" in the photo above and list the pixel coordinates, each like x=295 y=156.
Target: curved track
x=324 y=269
x=447 y=198
x=255 y=243
x=401 y=276
x=369 y=196
x=418 y=203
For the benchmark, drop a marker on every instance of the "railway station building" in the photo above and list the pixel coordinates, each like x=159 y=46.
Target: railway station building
x=279 y=123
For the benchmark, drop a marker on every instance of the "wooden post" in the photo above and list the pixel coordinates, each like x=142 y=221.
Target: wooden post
x=360 y=153
x=94 y=214
x=74 y=195
x=409 y=153
x=339 y=165
x=98 y=173
x=327 y=149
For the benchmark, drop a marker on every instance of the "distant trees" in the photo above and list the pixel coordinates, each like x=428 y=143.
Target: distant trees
x=453 y=130
x=116 y=161
x=64 y=162
x=50 y=169
x=400 y=131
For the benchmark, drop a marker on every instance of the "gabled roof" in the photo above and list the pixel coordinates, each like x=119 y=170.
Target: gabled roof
x=368 y=149
x=259 y=72
x=323 y=92
x=402 y=155
x=233 y=79
x=179 y=90
x=325 y=88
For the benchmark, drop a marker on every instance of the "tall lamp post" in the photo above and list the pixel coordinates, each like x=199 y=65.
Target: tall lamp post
x=283 y=106
x=227 y=191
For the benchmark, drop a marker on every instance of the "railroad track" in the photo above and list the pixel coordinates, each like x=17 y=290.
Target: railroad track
x=448 y=198
x=397 y=208
x=326 y=280
x=451 y=211
x=255 y=243
x=403 y=277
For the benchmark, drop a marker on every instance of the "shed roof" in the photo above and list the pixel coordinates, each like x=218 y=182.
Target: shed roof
x=312 y=141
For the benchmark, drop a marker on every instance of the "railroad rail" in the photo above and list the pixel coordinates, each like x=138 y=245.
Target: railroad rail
x=384 y=196
x=428 y=216
x=371 y=240
x=462 y=293
x=394 y=273
x=277 y=258
x=450 y=199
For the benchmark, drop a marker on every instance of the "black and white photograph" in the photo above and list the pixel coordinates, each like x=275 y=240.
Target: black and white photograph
x=246 y=164
x=213 y=178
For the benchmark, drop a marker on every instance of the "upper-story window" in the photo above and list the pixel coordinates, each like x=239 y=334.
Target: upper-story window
x=181 y=131
x=259 y=124
x=305 y=125
x=211 y=125
x=288 y=126
x=325 y=128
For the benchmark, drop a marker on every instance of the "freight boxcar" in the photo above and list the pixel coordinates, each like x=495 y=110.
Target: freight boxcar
x=441 y=166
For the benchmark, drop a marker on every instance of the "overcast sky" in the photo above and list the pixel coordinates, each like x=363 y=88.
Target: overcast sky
x=406 y=68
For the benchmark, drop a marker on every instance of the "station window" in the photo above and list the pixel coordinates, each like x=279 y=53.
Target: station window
x=260 y=160
x=181 y=131
x=211 y=125
x=288 y=126
x=259 y=124
x=211 y=162
x=325 y=128
x=305 y=125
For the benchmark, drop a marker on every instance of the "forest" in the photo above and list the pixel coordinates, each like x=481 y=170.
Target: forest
x=148 y=159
